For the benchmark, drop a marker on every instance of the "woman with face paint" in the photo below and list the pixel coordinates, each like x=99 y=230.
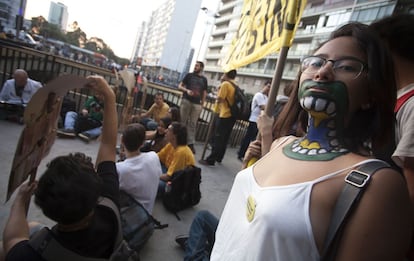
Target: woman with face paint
x=280 y=208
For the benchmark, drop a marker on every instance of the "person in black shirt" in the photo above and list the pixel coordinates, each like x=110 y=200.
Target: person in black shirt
x=194 y=87
x=68 y=193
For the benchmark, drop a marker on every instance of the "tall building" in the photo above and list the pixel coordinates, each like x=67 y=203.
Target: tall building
x=319 y=18
x=139 y=45
x=166 y=47
x=58 y=15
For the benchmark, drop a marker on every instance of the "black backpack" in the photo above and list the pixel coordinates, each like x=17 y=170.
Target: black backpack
x=137 y=224
x=183 y=190
x=50 y=249
x=241 y=107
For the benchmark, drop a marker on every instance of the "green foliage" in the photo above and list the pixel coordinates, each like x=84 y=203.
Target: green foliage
x=75 y=37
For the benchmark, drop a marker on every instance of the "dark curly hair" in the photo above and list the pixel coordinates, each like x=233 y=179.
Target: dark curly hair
x=69 y=189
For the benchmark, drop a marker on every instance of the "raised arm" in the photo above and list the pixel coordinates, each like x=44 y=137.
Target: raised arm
x=107 y=148
x=17 y=228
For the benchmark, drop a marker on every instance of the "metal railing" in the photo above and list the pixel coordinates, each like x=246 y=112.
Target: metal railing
x=43 y=67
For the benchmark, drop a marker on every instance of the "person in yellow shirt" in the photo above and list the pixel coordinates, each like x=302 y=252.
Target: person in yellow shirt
x=156 y=112
x=176 y=155
x=225 y=120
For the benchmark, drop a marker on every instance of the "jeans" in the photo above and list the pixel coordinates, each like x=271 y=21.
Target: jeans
x=189 y=113
x=149 y=124
x=222 y=133
x=70 y=120
x=201 y=237
x=162 y=183
x=250 y=136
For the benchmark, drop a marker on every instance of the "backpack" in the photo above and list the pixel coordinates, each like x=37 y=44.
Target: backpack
x=137 y=224
x=241 y=108
x=50 y=249
x=183 y=190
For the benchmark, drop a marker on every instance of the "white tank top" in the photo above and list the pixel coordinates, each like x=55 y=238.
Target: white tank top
x=281 y=228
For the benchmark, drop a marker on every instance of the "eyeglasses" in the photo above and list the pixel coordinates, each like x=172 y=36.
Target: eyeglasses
x=346 y=67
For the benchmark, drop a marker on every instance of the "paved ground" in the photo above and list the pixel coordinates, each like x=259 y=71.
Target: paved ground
x=215 y=186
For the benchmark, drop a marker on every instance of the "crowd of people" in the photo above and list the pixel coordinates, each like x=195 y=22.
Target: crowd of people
x=349 y=107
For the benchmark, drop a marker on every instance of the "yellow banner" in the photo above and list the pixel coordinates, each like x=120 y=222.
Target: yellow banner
x=265 y=26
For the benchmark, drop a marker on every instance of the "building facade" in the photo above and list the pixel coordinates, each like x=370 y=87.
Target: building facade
x=9 y=9
x=319 y=18
x=58 y=15
x=166 y=47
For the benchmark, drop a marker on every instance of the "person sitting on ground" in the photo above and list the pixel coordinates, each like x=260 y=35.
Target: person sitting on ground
x=158 y=110
x=68 y=193
x=156 y=140
x=200 y=240
x=86 y=124
x=17 y=92
x=176 y=155
x=20 y=89
x=281 y=207
x=174 y=113
x=140 y=172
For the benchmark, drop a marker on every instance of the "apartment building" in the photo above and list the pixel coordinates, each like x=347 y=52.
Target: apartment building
x=166 y=46
x=319 y=18
x=58 y=15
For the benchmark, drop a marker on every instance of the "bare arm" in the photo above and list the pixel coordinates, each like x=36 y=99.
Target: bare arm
x=165 y=177
x=264 y=124
x=107 y=148
x=408 y=170
x=17 y=228
x=381 y=226
x=203 y=98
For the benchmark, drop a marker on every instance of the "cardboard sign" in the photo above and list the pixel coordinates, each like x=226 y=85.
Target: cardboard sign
x=40 y=118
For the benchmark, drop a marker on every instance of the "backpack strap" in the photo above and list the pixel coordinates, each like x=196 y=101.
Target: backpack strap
x=355 y=184
x=49 y=248
x=235 y=90
x=402 y=100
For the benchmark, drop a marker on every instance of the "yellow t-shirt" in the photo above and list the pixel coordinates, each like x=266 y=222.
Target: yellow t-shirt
x=158 y=113
x=226 y=93
x=176 y=158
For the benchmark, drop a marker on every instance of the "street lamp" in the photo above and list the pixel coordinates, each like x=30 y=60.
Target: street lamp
x=209 y=14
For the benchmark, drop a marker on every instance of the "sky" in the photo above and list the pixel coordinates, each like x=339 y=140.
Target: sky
x=115 y=22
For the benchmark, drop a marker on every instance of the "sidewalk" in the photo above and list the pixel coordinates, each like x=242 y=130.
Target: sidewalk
x=215 y=187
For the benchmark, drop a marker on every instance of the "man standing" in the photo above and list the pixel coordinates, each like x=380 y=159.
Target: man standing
x=225 y=120
x=258 y=104
x=194 y=87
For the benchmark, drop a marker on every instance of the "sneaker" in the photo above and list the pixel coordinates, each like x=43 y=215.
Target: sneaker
x=84 y=136
x=182 y=241
x=206 y=162
x=192 y=148
x=69 y=133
